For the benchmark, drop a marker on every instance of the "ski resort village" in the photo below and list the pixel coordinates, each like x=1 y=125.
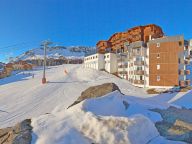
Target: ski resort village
x=95 y=72
x=133 y=88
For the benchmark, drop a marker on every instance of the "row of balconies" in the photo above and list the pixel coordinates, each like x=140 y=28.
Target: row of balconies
x=184 y=72
x=184 y=83
x=182 y=61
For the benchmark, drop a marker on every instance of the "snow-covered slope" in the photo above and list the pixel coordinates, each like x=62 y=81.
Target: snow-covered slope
x=55 y=52
x=22 y=96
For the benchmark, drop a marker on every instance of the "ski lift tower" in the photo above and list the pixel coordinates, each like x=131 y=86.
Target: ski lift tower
x=45 y=45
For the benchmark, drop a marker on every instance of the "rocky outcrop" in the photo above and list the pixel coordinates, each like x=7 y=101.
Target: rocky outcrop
x=176 y=124
x=18 y=134
x=96 y=91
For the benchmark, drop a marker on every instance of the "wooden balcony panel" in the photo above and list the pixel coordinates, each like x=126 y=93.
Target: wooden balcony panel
x=138 y=81
x=139 y=72
x=139 y=63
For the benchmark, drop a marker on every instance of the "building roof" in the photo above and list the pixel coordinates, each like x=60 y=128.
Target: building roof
x=167 y=39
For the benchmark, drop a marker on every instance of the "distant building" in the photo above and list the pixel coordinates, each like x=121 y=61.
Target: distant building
x=95 y=61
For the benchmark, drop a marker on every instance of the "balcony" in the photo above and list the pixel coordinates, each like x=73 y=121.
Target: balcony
x=139 y=63
x=122 y=72
x=139 y=72
x=187 y=62
x=139 y=82
x=188 y=82
x=182 y=61
x=182 y=83
x=187 y=72
x=123 y=66
x=181 y=72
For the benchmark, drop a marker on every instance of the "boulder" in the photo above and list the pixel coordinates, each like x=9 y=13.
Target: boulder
x=176 y=124
x=18 y=134
x=96 y=91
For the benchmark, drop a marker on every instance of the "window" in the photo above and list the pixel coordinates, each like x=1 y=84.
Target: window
x=158 y=66
x=138 y=50
x=180 y=43
x=158 y=78
x=95 y=56
x=104 y=56
x=158 y=55
x=158 y=44
x=107 y=56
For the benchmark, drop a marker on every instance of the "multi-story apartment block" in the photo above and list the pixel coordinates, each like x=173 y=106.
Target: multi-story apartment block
x=168 y=58
x=147 y=58
x=189 y=67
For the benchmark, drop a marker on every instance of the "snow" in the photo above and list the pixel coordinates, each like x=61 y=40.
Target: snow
x=69 y=125
x=103 y=119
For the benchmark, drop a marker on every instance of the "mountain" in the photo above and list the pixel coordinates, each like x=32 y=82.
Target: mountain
x=56 y=52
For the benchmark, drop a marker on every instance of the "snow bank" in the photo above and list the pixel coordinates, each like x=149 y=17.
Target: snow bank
x=79 y=127
x=101 y=120
x=116 y=104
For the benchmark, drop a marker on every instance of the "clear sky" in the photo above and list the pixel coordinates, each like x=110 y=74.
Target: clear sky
x=25 y=23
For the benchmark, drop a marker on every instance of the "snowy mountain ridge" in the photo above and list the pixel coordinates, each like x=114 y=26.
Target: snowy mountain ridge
x=55 y=53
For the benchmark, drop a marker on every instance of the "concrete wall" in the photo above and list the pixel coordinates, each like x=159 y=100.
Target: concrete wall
x=95 y=61
x=110 y=62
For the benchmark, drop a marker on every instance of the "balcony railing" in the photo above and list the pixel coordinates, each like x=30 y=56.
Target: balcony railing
x=138 y=81
x=139 y=63
x=187 y=72
x=139 y=72
x=182 y=83
x=182 y=61
x=123 y=66
x=188 y=82
x=122 y=72
x=187 y=62
x=184 y=72
x=181 y=72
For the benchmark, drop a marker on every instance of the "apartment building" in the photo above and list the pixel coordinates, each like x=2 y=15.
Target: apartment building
x=147 y=58
x=95 y=61
x=168 y=58
x=189 y=67
x=137 y=63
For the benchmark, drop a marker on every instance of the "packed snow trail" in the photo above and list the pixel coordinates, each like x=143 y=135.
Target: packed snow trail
x=27 y=97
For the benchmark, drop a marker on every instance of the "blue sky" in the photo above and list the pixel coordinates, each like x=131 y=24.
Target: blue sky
x=25 y=23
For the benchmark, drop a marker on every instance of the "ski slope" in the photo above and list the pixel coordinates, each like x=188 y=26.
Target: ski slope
x=22 y=96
